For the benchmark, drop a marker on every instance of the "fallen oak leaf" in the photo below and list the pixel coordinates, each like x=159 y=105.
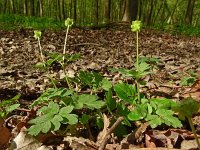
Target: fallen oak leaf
x=5 y=135
x=23 y=141
x=148 y=142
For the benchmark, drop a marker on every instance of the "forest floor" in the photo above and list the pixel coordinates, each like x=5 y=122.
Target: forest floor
x=102 y=49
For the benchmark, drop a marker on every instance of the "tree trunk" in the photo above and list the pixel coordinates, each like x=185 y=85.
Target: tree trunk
x=5 y=6
x=63 y=9
x=75 y=14
x=107 y=11
x=149 y=16
x=189 y=12
x=41 y=9
x=32 y=8
x=25 y=7
x=12 y=6
x=58 y=12
x=131 y=10
x=96 y=12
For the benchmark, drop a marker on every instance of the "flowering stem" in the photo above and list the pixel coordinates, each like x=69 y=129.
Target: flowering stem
x=63 y=64
x=64 y=50
x=42 y=58
x=137 y=64
x=40 y=48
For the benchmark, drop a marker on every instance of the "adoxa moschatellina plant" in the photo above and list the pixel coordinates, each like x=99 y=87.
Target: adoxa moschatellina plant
x=155 y=111
x=135 y=27
x=61 y=58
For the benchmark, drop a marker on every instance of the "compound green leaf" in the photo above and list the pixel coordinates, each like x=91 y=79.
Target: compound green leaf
x=34 y=129
x=66 y=110
x=72 y=118
x=125 y=92
x=10 y=101
x=110 y=101
x=89 y=101
x=106 y=84
x=187 y=108
x=42 y=119
x=56 y=122
x=139 y=113
x=84 y=119
x=155 y=122
x=46 y=126
x=12 y=107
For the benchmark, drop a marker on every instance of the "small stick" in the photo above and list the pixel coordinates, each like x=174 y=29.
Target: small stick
x=107 y=137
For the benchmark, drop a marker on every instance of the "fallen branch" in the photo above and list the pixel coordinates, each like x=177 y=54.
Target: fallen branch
x=108 y=134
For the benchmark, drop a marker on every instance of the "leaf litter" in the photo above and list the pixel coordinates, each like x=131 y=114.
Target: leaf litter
x=100 y=49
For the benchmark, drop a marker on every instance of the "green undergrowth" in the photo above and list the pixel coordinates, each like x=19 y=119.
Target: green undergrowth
x=12 y=22
x=182 y=29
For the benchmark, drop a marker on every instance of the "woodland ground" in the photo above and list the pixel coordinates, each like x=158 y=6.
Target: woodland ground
x=100 y=49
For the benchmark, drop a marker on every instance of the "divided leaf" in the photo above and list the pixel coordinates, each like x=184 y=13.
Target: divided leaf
x=89 y=101
x=51 y=94
x=51 y=118
x=138 y=113
x=126 y=92
x=186 y=108
x=110 y=101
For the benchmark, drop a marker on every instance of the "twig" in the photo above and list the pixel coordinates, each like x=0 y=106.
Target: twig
x=107 y=137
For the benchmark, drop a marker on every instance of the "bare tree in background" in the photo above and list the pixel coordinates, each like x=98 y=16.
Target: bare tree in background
x=189 y=12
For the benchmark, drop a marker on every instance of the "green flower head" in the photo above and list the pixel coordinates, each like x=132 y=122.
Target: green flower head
x=136 y=25
x=37 y=34
x=69 y=22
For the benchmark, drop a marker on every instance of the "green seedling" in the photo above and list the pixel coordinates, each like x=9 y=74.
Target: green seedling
x=186 y=109
x=187 y=81
x=190 y=78
x=7 y=106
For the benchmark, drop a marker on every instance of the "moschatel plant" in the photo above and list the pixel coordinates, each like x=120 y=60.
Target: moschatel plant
x=155 y=111
x=59 y=104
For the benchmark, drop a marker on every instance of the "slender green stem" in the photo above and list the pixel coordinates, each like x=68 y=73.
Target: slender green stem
x=137 y=50
x=194 y=131
x=63 y=64
x=138 y=90
x=64 y=50
x=42 y=57
x=52 y=80
x=137 y=64
x=40 y=48
x=66 y=77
